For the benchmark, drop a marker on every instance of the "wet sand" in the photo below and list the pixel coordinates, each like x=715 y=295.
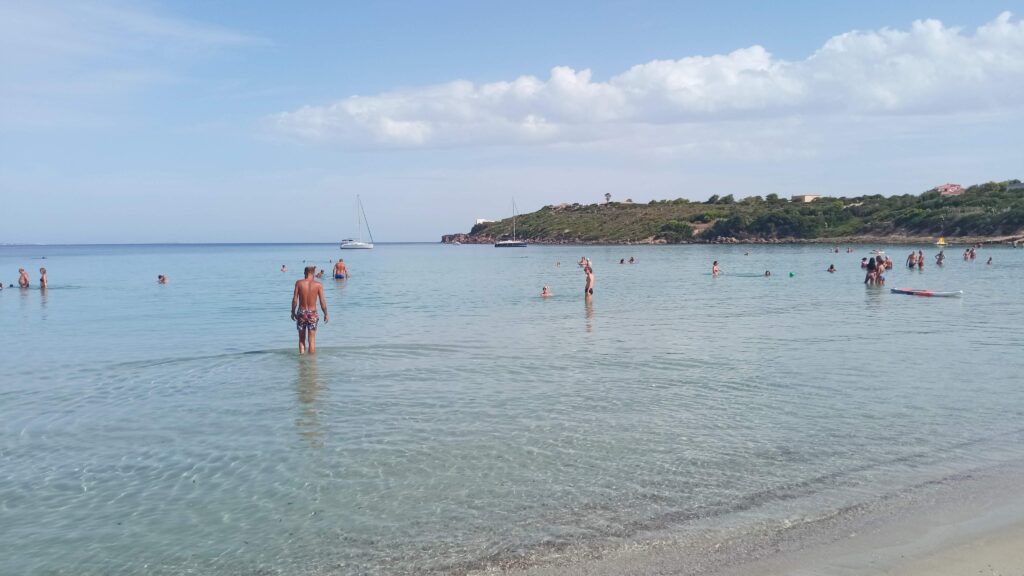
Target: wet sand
x=964 y=526
x=982 y=534
x=1000 y=553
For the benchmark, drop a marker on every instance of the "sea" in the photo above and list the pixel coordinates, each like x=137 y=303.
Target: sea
x=452 y=421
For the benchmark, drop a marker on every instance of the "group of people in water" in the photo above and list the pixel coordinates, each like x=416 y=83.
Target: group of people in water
x=23 y=281
x=588 y=272
x=308 y=292
x=876 y=267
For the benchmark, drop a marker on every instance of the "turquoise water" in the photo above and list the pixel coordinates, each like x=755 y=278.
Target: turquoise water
x=452 y=420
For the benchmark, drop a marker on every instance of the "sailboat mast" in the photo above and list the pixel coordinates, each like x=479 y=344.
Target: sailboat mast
x=363 y=212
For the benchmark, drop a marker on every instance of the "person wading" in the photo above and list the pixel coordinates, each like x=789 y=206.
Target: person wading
x=304 y=299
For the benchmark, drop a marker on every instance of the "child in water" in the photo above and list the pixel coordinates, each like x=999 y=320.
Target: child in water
x=544 y=293
x=831 y=268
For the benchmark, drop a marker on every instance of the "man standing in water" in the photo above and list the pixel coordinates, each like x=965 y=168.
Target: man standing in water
x=588 y=289
x=340 y=271
x=22 y=278
x=304 y=299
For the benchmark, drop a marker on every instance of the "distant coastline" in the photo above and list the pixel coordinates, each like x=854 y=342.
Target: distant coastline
x=837 y=241
x=981 y=214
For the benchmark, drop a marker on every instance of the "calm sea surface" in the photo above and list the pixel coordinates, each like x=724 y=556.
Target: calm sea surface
x=453 y=420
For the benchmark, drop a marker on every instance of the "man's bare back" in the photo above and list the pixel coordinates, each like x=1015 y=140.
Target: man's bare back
x=340 y=270
x=309 y=291
x=304 y=300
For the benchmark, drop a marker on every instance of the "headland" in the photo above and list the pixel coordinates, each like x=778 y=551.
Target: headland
x=981 y=214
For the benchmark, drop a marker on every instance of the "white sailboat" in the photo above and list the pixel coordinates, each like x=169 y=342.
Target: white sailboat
x=357 y=243
x=513 y=243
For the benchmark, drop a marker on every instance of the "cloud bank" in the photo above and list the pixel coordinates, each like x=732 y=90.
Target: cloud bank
x=929 y=69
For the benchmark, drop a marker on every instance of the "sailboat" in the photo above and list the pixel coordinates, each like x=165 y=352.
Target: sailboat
x=358 y=244
x=513 y=243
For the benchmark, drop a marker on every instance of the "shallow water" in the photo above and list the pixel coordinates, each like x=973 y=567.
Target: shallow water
x=454 y=420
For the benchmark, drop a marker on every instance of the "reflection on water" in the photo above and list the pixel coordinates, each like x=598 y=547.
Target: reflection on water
x=588 y=305
x=307 y=384
x=874 y=295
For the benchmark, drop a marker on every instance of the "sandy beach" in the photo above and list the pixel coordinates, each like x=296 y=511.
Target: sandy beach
x=980 y=534
x=965 y=526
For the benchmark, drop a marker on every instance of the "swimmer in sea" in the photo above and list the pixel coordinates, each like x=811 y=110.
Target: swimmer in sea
x=588 y=288
x=161 y=279
x=319 y=274
x=544 y=292
x=22 y=278
x=715 y=270
x=622 y=260
x=304 y=300
x=632 y=260
x=989 y=261
x=43 y=282
x=767 y=273
x=831 y=268
x=284 y=268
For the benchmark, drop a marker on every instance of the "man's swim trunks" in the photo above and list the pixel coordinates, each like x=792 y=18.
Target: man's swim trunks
x=306 y=319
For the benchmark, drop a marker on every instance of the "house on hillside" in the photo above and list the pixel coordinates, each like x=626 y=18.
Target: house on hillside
x=483 y=221
x=950 y=189
x=806 y=197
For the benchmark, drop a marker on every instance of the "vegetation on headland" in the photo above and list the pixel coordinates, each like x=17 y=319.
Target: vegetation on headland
x=985 y=210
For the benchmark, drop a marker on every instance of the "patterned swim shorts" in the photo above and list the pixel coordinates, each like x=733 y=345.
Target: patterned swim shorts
x=306 y=319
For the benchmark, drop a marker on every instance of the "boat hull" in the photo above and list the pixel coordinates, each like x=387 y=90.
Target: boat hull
x=510 y=244
x=356 y=246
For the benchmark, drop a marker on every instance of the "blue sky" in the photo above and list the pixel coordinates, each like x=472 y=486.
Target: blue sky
x=257 y=121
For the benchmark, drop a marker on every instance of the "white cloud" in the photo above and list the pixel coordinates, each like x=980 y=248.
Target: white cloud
x=928 y=69
x=61 y=61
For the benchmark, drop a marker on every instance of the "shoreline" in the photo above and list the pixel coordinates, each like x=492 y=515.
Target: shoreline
x=970 y=523
x=982 y=533
x=838 y=241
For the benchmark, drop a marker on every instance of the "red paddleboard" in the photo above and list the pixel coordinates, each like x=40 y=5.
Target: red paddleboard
x=927 y=293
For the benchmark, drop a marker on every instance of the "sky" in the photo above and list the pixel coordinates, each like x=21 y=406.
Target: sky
x=250 y=121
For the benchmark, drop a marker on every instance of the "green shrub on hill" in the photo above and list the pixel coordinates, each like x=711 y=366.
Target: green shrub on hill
x=993 y=208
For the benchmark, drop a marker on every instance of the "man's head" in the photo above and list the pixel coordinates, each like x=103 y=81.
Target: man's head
x=310 y=270
x=21 y=270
